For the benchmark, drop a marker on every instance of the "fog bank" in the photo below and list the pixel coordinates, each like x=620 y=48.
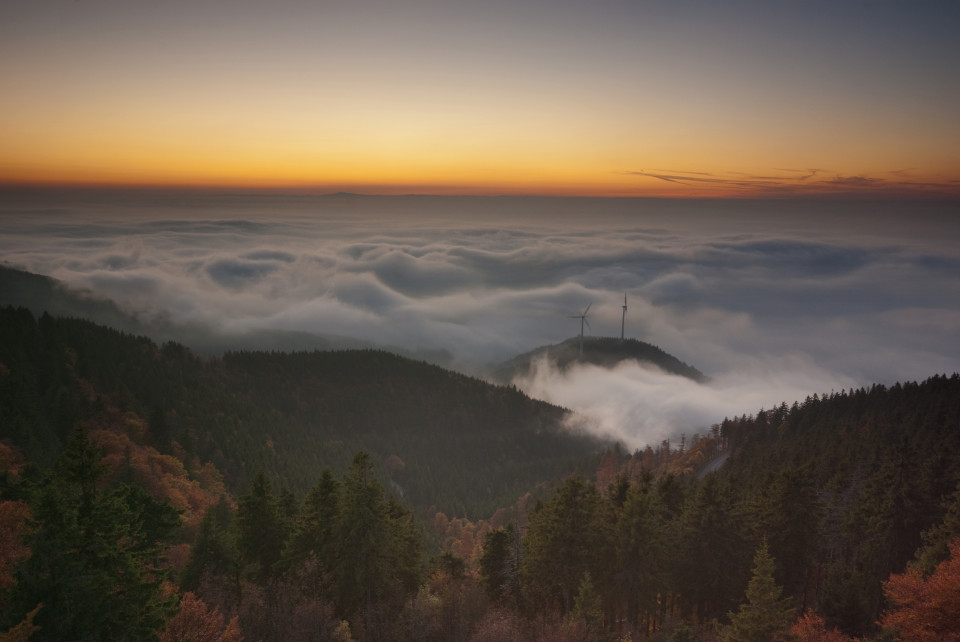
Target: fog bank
x=773 y=300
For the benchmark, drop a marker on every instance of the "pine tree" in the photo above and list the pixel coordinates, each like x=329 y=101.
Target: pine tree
x=376 y=548
x=260 y=528
x=641 y=554
x=936 y=540
x=569 y=536
x=97 y=554
x=765 y=617
x=500 y=564
x=214 y=549
x=711 y=561
x=313 y=532
x=587 y=607
x=789 y=517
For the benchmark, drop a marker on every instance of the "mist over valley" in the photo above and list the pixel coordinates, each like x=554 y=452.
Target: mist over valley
x=772 y=300
x=479 y=321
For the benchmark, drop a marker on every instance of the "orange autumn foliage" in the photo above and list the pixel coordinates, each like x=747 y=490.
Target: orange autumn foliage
x=499 y=625
x=14 y=519
x=163 y=476
x=121 y=435
x=463 y=537
x=11 y=460
x=14 y=516
x=926 y=609
x=811 y=628
x=195 y=621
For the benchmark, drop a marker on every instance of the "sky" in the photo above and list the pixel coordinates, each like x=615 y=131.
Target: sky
x=604 y=98
x=774 y=300
x=799 y=163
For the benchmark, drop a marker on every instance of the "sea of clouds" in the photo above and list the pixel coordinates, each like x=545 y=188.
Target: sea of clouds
x=773 y=300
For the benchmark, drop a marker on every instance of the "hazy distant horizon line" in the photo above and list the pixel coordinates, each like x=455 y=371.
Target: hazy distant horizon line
x=431 y=191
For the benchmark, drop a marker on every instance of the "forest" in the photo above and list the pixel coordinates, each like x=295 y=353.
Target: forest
x=150 y=493
x=446 y=439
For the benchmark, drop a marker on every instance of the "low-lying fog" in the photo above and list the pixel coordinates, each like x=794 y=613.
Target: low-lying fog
x=773 y=300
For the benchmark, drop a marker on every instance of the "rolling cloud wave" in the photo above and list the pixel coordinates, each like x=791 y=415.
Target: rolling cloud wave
x=774 y=300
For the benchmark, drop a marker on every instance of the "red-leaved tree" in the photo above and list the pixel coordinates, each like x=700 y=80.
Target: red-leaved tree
x=926 y=609
x=195 y=621
x=811 y=628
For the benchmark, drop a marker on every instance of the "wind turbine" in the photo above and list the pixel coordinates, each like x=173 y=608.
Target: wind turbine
x=583 y=320
x=623 y=319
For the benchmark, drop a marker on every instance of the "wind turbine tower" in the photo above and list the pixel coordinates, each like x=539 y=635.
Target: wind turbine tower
x=583 y=320
x=623 y=319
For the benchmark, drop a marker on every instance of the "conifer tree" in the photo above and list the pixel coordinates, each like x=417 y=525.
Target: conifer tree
x=569 y=536
x=97 y=554
x=214 y=549
x=260 y=528
x=936 y=540
x=588 y=607
x=765 y=617
x=376 y=547
x=500 y=565
x=711 y=563
x=641 y=553
x=313 y=533
x=790 y=516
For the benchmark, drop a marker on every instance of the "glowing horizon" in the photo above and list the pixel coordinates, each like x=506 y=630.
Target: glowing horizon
x=504 y=98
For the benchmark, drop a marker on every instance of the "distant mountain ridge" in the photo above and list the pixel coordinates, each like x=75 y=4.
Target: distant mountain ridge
x=606 y=352
x=39 y=294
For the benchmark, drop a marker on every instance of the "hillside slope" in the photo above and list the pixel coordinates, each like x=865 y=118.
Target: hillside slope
x=842 y=490
x=445 y=439
x=606 y=352
x=39 y=294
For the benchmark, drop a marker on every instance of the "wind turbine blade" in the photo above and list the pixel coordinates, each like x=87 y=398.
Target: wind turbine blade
x=587 y=322
x=587 y=309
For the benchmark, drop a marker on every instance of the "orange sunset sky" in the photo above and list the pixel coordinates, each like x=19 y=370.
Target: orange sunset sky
x=606 y=98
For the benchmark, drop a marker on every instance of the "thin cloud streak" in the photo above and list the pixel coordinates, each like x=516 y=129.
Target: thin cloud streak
x=810 y=182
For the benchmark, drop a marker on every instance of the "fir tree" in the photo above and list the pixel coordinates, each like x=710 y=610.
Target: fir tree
x=376 y=548
x=260 y=525
x=765 y=617
x=97 y=554
x=587 y=607
x=568 y=537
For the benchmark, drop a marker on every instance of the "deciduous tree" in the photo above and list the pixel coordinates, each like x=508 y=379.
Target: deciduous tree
x=810 y=627
x=196 y=622
x=926 y=609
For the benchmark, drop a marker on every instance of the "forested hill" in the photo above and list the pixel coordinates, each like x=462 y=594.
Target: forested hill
x=852 y=486
x=443 y=438
x=606 y=352
x=839 y=493
x=809 y=525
